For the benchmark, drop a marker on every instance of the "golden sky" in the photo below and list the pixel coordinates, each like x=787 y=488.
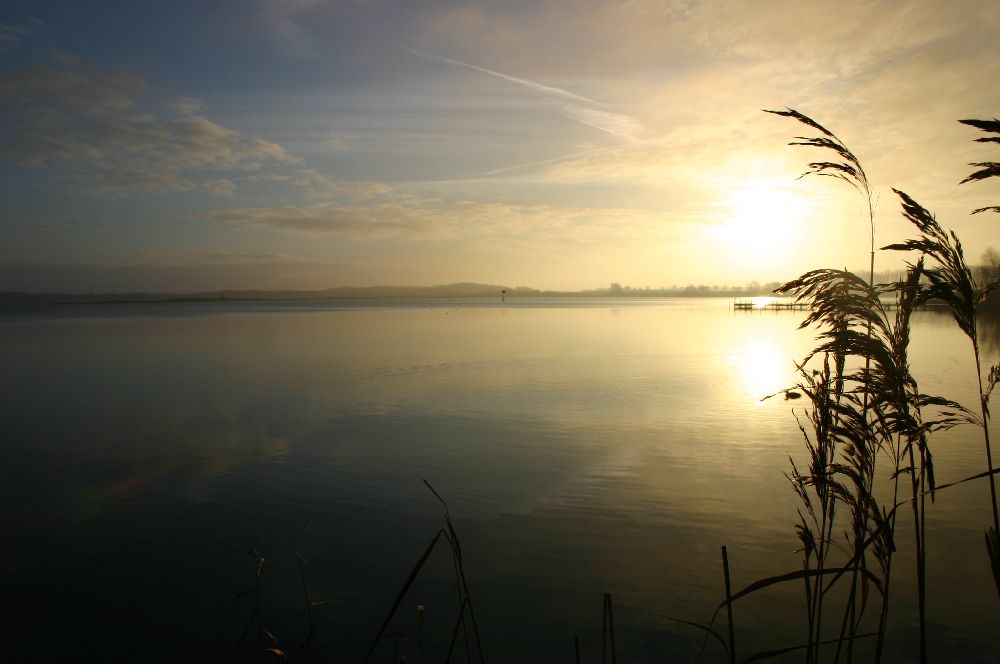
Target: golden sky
x=552 y=143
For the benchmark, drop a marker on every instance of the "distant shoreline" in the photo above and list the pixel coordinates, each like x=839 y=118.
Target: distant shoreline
x=449 y=291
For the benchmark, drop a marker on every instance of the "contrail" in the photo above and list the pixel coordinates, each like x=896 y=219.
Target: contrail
x=543 y=162
x=538 y=87
x=575 y=107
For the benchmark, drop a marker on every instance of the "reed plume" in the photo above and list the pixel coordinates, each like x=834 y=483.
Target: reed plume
x=845 y=166
x=987 y=169
x=950 y=281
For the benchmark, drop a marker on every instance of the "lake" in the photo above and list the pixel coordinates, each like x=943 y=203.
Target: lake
x=583 y=446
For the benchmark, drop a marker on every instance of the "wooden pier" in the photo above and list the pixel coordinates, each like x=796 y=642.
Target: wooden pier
x=772 y=305
x=753 y=304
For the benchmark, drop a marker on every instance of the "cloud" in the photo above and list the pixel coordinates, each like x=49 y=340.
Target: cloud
x=47 y=222
x=323 y=219
x=654 y=164
x=229 y=256
x=204 y=256
x=317 y=184
x=341 y=140
x=286 y=22
x=623 y=34
x=12 y=36
x=617 y=124
x=658 y=9
x=471 y=222
x=185 y=106
x=105 y=133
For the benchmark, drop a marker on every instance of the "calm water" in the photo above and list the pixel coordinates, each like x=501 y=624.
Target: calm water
x=582 y=446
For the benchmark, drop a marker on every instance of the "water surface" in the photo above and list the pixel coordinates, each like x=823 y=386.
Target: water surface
x=583 y=446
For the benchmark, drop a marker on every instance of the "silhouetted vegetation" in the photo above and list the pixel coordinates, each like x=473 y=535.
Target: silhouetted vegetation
x=864 y=406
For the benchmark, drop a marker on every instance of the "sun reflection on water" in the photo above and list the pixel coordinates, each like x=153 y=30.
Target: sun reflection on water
x=763 y=368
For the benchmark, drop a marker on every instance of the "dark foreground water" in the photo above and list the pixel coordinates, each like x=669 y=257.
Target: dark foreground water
x=583 y=447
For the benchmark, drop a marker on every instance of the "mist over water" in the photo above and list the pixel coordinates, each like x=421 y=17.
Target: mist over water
x=583 y=447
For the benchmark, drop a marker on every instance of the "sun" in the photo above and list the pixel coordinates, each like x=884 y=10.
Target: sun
x=760 y=225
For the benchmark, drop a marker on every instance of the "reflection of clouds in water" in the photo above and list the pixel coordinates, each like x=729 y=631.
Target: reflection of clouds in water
x=380 y=372
x=596 y=473
x=187 y=473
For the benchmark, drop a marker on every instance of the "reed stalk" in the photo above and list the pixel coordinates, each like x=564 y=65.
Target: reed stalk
x=608 y=631
x=729 y=607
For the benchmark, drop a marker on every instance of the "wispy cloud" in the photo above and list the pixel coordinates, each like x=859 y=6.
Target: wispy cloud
x=574 y=106
x=287 y=23
x=497 y=225
x=46 y=222
x=318 y=185
x=185 y=106
x=544 y=162
x=203 y=257
x=109 y=135
x=12 y=36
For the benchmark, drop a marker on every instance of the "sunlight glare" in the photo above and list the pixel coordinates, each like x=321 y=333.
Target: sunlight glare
x=763 y=369
x=760 y=225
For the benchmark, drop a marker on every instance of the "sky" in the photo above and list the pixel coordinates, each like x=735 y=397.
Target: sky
x=558 y=144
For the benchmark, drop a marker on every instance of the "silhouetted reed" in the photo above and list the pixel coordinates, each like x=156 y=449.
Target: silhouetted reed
x=269 y=644
x=466 y=612
x=844 y=166
x=878 y=408
x=868 y=403
x=950 y=281
x=988 y=169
